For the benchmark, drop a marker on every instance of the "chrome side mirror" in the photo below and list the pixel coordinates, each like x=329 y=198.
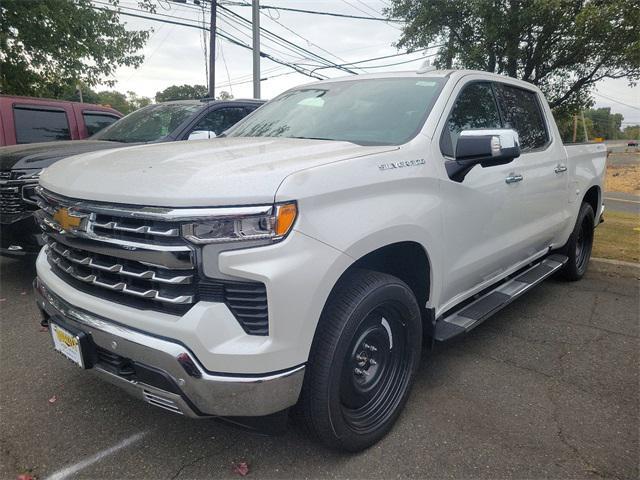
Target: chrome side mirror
x=201 y=135
x=484 y=147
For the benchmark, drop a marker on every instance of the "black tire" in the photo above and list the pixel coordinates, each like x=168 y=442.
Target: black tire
x=580 y=243
x=363 y=360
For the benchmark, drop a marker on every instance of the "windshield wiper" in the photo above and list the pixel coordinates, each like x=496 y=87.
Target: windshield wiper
x=318 y=138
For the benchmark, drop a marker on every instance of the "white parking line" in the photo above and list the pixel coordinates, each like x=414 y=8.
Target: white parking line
x=76 y=467
x=621 y=200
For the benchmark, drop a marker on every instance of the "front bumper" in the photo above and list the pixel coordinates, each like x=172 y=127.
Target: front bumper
x=167 y=374
x=19 y=235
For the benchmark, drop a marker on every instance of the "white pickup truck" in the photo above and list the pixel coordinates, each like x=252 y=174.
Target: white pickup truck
x=305 y=258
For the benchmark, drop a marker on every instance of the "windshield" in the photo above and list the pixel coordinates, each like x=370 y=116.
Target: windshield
x=148 y=124
x=386 y=111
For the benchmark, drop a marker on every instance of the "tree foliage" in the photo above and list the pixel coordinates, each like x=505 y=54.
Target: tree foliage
x=563 y=46
x=47 y=46
x=182 y=92
x=124 y=103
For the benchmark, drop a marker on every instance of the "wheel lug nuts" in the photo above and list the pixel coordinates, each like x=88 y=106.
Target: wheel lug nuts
x=371 y=348
x=372 y=362
x=358 y=371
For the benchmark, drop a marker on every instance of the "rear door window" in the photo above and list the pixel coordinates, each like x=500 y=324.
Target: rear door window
x=97 y=121
x=521 y=111
x=475 y=108
x=36 y=124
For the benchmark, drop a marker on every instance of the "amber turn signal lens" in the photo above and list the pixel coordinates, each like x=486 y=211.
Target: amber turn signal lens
x=285 y=216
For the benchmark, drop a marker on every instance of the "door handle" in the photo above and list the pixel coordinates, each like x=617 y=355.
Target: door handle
x=560 y=168
x=512 y=178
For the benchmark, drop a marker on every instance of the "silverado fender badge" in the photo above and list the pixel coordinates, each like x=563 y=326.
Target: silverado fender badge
x=405 y=163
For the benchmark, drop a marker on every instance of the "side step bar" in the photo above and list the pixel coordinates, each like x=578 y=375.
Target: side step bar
x=473 y=314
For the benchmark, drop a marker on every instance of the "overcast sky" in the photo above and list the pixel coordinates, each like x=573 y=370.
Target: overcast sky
x=174 y=54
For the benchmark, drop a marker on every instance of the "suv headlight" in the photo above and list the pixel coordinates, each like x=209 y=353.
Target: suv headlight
x=269 y=224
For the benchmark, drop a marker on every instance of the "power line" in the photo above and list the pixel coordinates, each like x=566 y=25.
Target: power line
x=315 y=12
x=617 y=101
x=290 y=44
x=384 y=57
x=219 y=32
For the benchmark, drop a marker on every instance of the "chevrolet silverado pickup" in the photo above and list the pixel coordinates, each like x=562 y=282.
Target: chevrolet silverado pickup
x=304 y=258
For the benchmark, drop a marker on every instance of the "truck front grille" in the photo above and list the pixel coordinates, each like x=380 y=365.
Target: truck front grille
x=14 y=187
x=142 y=262
x=11 y=200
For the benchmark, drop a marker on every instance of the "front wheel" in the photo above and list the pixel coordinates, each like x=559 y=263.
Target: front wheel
x=363 y=360
x=579 y=246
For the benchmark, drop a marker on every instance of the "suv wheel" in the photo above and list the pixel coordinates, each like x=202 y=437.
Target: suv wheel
x=363 y=360
x=579 y=246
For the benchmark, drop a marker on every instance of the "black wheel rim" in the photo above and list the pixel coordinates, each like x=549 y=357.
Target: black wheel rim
x=376 y=370
x=583 y=244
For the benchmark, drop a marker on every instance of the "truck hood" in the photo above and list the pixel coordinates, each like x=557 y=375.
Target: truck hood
x=41 y=155
x=224 y=171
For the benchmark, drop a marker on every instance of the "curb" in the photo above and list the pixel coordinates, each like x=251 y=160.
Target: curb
x=606 y=265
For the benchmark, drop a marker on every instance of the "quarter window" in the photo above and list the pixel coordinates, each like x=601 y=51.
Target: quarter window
x=40 y=124
x=521 y=111
x=96 y=121
x=475 y=108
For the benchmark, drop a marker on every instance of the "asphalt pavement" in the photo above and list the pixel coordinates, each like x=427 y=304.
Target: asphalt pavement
x=548 y=388
x=622 y=202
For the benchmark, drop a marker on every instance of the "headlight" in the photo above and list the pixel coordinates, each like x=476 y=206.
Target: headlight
x=271 y=225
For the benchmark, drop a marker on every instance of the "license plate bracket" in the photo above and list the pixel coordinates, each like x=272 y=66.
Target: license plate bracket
x=72 y=343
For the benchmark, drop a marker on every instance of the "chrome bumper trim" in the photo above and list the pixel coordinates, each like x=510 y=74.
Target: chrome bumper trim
x=205 y=394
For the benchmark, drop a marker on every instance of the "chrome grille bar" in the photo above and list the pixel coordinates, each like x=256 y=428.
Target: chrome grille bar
x=142 y=229
x=83 y=259
x=119 y=286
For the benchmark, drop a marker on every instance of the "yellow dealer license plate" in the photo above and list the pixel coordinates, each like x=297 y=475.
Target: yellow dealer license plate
x=67 y=344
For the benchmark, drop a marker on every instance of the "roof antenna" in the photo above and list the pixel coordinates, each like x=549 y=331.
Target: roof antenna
x=426 y=67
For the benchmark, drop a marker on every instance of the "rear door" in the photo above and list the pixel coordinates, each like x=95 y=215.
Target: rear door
x=482 y=210
x=542 y=165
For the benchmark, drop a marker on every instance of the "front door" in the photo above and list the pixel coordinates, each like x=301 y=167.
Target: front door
x=482 y=210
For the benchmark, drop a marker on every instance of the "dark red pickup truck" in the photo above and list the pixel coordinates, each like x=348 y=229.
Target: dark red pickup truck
x=31 y=120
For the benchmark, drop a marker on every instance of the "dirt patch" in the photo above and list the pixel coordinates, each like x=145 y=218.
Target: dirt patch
x=623 y=178
x=618 y=238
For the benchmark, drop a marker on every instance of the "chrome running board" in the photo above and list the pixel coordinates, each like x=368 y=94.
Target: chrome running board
x=476 y=312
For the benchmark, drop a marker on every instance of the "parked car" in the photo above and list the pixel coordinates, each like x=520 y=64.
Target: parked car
x=632 y=143
x=301 y=259
x=31 y=120
x=21 y=165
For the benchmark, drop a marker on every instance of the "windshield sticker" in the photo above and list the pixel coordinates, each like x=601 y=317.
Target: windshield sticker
x=312 y=102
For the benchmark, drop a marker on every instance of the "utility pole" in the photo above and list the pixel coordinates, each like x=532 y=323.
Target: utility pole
x=575 y=128
x=212 y=50
x=255 y=14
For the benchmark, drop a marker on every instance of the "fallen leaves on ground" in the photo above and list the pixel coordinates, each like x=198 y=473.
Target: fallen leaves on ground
x=53 y=399
x=241 y=468
x=26 y=476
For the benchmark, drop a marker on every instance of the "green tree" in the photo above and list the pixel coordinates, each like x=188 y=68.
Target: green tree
x=605 y=124
x=224 y=95
x=182 y=92
x=136 y=101
x=47 y=46
x=632 y=132
x=563 y=46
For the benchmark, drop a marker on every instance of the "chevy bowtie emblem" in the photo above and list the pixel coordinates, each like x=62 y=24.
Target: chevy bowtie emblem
x=66 y=220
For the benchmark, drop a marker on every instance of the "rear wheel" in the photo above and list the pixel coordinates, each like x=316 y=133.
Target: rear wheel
x=580 y=244
x=363 y=360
